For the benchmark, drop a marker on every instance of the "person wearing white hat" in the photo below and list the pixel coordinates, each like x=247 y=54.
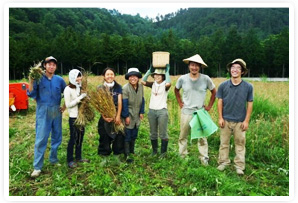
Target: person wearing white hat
x=195 y=86
x=235 y=103
x=47 y=93
x=158 y=112
x=133 y=110
x=72 y=98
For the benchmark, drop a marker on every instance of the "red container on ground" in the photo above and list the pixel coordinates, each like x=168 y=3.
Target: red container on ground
x=18 y=92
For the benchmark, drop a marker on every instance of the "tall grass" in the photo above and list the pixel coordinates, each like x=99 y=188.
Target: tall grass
x=263 y=107
x=267 y=156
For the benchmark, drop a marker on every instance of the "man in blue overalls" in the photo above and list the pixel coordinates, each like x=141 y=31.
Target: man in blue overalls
x=47 y=93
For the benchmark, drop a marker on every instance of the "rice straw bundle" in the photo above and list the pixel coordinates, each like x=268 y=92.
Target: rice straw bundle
x=36 y=72
x=84 y=80
x=102 y=101
x=119 y=128
x=85 y=112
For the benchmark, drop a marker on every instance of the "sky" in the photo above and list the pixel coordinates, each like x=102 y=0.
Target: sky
x=150 y=12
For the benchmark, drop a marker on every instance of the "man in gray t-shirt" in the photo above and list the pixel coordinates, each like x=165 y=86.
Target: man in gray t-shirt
x=194 y=86
x=235 y=101
x=194 y=91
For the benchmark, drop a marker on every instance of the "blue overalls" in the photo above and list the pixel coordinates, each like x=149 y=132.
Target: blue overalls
x=47 y=94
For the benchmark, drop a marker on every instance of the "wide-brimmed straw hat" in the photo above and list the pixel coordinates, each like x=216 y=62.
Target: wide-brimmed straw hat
x=240 y=62
x=133 y=71
x=196 y=58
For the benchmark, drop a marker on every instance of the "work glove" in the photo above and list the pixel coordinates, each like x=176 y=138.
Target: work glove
x=149 y=72
x=151 y=69
x=168 y=79
x=82 y=96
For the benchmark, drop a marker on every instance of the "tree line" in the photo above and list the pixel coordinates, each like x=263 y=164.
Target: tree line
x=72 y=37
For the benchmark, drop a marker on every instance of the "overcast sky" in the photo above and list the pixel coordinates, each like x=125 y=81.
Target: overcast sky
x=151 y=12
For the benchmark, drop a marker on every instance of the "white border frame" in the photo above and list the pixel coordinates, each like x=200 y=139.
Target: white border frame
x=223 y=4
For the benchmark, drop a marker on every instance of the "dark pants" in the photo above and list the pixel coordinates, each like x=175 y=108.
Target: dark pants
x=131 y=134
x=107 y=141
x=76 y=139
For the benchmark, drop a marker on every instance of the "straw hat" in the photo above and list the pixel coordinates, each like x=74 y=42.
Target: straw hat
x=133 y=71
x=196 y=58
x=240 y=62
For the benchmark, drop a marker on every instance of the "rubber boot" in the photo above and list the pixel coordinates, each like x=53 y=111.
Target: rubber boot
x=154 y=144
x=132 y=146
x=163 y=149
x=127 y=152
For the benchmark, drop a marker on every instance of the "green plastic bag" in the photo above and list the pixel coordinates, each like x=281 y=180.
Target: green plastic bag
x=202 y=124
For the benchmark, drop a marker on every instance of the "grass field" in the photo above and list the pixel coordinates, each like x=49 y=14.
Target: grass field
x=267 y=156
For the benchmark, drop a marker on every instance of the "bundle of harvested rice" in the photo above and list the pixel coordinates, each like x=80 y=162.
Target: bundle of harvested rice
x=36 y=72
x=102 y=101
x=84 y=85
x=85 y=112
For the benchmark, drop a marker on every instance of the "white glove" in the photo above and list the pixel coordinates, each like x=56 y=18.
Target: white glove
x=82 y=96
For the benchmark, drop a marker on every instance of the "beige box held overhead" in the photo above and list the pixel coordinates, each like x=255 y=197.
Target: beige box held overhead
x=160 y=59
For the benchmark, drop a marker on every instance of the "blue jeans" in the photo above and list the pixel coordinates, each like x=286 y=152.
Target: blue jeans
x=158 y=121
x=48 y=120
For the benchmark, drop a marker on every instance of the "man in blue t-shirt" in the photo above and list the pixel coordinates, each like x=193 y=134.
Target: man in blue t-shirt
x=235 y=102
x=47 y=93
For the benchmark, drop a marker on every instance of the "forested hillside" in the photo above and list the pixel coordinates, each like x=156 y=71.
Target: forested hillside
x=196 y=22
x=94 y=38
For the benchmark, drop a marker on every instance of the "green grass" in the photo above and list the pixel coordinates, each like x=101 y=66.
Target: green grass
x=264 y=108
x=266 y=174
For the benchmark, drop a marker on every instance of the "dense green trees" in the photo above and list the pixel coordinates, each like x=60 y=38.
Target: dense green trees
x=195 y=22
x=95 y=38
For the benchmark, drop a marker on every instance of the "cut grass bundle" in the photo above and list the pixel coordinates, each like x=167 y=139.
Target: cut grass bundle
x=85 y=113
x=84 y=85
x=36 y=72
x=102 y=101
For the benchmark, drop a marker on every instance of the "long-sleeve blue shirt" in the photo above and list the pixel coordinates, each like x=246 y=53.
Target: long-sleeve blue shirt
x=48 y=92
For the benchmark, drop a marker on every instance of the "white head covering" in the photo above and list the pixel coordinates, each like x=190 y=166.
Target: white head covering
x=73 y=74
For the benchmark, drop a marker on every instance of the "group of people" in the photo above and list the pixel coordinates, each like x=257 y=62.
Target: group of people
x=235 y=98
